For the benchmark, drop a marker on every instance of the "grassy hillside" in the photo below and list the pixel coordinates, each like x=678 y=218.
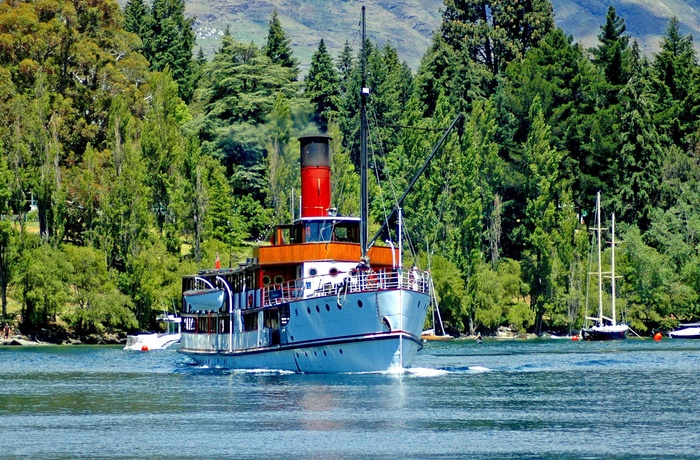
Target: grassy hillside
x=408 y=24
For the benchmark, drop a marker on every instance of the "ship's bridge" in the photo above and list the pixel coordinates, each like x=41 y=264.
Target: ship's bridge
x=327 y=229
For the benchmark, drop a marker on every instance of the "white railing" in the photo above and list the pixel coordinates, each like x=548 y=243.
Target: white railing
x=354 y=281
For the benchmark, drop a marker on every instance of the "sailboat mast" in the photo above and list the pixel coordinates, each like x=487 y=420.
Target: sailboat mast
x=612 y=269
x=599 y=230
x=364 y=199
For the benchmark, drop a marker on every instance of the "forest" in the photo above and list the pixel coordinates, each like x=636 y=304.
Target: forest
x=129 y=159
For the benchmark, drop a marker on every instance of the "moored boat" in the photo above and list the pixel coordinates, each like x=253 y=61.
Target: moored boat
x=157 y=340
x=686 y=331
x=604 y=328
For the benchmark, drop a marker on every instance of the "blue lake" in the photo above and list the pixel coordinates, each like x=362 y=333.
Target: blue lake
x=551 y=399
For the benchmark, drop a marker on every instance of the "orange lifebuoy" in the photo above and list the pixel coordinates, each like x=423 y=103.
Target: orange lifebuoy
x=372 y=279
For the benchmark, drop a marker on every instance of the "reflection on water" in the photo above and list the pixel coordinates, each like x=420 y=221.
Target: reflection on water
x=536 y=399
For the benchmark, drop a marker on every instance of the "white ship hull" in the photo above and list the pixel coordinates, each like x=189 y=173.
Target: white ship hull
x=371 y=331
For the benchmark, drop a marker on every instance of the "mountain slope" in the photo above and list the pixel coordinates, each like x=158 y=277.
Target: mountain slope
x=408 y=24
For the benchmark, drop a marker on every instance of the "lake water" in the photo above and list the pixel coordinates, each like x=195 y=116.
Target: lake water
x=551 y=399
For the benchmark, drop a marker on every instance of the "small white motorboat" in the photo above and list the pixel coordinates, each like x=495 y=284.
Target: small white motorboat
x=686 y=331
x=157 y=340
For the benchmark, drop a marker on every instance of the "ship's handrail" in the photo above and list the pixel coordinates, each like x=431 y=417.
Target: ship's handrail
x=359 y=280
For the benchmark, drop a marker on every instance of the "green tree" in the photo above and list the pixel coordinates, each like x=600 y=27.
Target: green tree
x=169 y=43
x=541 y=184
x=44 y=285
x=675 y=68
x=322 y=86
x=278 y=47
x=8 y=240
x=163 y=145
x=99 y=306
x=494 y=33
x=567 y=85
x=640 y=156
x=610 y=54
x=138 y=19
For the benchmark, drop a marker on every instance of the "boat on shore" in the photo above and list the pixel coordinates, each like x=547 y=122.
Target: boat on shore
x=157 y=340
x=686 y=331
x=320 y=298
x=603 y=327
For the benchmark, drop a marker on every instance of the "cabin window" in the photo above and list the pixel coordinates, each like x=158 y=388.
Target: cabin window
x=272 y=319
x=266 y=280
x=284 y=314
x=279 y=279
x=204 y=325
x=333 y=272
x=319 y=231
x=189 y=324
x=341 y=234
x=313 y=272
x=250 y=322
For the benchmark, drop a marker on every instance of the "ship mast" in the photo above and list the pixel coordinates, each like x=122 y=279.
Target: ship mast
x=364 y=199
x=599 y=230
x=612 y=270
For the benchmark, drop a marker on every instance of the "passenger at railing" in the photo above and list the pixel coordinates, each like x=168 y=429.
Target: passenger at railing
x=414 y=278
x=362 y=270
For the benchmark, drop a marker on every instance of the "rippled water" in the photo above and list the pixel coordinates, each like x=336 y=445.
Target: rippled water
x=536 y=399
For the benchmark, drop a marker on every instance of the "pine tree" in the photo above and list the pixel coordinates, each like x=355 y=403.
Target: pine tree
x=345 y=67
x=278 y=46
x=609 y=56
x=170 y=42
x=494 y=33
x=138 y=19
x=322 y=85
x=640 y=160
x=678 y=86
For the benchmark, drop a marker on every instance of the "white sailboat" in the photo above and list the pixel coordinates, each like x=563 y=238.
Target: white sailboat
x=603 y=327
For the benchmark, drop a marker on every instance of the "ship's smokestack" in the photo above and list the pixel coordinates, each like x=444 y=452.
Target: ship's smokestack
x=315 y=175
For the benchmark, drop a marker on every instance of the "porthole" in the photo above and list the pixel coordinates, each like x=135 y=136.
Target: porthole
x=308 y=310
x=324 y=353
x=340 y=350
x=312 y=272
x=306 y=354
x=296 y=312
x=315 y=354
x=333 y=272
x=297 y=355
x=266 y=280
x=359 y=303
x=340 y=307
x=328 y=307
x=279 y=279
x=291 y=338
x=318 y=310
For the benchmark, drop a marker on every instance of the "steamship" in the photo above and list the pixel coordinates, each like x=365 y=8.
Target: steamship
x=320 y=298
x=307 y=302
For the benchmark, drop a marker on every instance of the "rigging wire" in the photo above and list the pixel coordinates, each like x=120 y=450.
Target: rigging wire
x=392 y=188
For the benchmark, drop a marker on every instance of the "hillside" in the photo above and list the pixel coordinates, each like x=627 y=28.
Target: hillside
x=408 y=24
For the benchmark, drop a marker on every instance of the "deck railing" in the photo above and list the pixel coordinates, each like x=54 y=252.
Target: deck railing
x=345 y=283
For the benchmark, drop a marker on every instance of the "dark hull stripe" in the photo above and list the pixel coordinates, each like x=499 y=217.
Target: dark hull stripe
x=308 y=344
